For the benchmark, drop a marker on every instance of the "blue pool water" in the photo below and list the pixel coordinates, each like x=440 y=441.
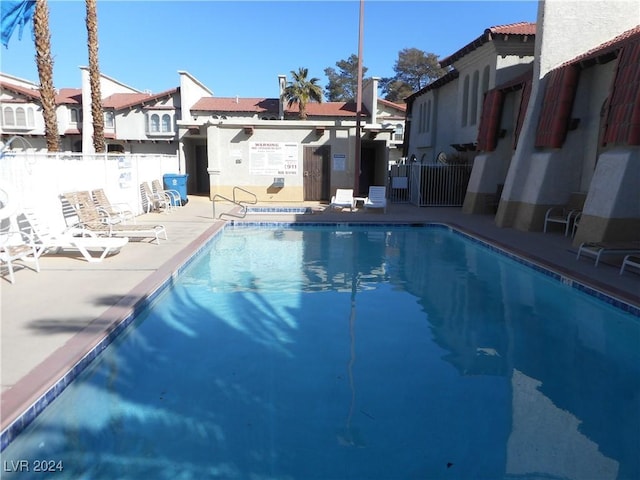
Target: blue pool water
x=362 y=353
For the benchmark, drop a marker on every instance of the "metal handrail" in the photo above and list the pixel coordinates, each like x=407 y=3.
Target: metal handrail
x=240 y=203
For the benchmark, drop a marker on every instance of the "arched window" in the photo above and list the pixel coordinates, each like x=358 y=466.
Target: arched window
x=485 y=81
x=74 y=115
x=166 y=123
x=21 y=117
x=428 y=126
x=474 y=98
x=154 y=124
x=8 y=118
x=30 y=119
x=420 y=118
x=465 y=100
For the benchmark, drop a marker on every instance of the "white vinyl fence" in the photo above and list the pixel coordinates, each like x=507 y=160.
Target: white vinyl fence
x=36 y=180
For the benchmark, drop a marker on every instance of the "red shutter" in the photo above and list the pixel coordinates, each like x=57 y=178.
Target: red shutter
x=556 y=106
x=522 y=111
x=623 y=116
x=490 y=120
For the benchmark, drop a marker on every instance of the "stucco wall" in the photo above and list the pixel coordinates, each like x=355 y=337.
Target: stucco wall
x=231 y=163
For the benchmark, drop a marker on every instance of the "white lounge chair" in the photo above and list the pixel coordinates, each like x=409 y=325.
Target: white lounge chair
x=377 y=198
x=343 y=198
x=91 y=218
x=16 y=245
x=175 y=200
x=153 y=201
x=80 y=239
x=121 y=211
x=597 y=250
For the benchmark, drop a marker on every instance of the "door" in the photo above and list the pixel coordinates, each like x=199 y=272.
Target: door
x=202 y=174
x=316 y=173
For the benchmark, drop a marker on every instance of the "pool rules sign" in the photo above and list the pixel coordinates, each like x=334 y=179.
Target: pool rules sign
x=273 y=158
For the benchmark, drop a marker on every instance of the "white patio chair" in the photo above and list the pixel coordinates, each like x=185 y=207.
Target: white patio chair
x=377 y=198
x=343 y=198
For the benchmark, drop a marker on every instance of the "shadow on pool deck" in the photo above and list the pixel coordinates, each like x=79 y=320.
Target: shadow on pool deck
x=42 y=314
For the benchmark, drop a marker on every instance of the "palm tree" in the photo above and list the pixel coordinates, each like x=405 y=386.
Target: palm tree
x=301 y=90
x=45 y=74
x=94 y=77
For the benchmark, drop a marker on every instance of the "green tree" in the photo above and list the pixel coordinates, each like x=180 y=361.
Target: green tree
x=302 y=90
x=343 y=84
x=414 y=69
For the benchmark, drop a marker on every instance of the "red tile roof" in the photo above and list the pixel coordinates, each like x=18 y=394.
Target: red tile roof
x=27 y=92
x=235 y=104
x=326 y=109
x=120 y=101
x=399 y=106
x=69 y=96
x=524 y=29
x=271 y=105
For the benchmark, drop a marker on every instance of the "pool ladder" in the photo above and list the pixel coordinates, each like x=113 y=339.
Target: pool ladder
x=240 y=203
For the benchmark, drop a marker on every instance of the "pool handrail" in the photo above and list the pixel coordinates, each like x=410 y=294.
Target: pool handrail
x=240 y=203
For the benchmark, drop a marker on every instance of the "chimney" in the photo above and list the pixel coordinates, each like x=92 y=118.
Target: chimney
x=282 y=82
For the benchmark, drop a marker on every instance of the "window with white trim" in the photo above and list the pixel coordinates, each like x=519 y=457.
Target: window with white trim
x=159 y=123
x=399 y=132
x=18 y=117
x=109 y=120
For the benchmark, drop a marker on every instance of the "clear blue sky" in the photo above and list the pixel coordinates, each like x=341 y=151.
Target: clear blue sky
x=240 y=47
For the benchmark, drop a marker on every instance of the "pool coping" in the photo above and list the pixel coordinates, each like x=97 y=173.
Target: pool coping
x=23 y=403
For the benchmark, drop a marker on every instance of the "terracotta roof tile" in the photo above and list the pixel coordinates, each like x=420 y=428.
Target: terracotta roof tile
x=28 y=92
x=235 y=104
x=120 y=101
x=68 y=96
x=524 y=29
x=399 y=106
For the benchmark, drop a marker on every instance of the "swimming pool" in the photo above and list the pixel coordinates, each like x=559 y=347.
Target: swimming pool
x=353 y=353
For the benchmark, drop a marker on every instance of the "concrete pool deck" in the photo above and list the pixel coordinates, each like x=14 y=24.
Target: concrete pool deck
x=49 y=319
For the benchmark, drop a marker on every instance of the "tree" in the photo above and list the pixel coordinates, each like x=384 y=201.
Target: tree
x=343 y=85
x=94 y=77
x=414 y=69
x=301 y=90
x=45 y=73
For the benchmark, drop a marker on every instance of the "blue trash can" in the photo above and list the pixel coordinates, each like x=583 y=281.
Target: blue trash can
x=177 y=182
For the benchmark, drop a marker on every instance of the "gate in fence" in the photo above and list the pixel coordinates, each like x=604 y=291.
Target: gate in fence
x=429 y=185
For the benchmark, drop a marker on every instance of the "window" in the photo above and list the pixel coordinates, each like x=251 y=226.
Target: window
x=109 y=120
x=159 y=124
x=465 y=100
x=421 y=118
x=399 y=131
x=166 y=123
x=428 y=126
x=18 y=117
x=474 y=98
x=154 y=125
x=8 y=118
x=76 y=115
